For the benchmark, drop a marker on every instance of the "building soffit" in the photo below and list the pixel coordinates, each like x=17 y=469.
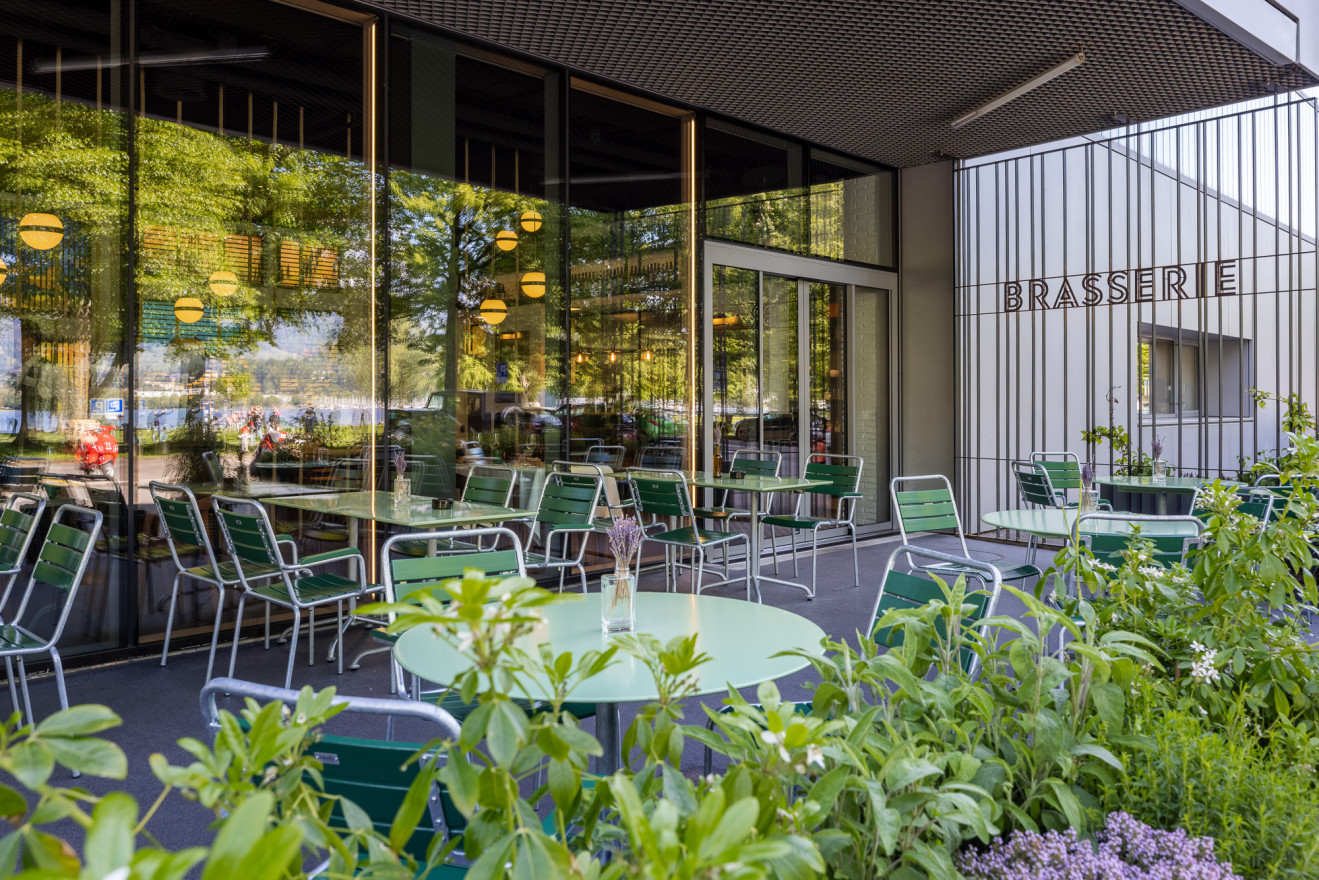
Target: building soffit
x=882 y=79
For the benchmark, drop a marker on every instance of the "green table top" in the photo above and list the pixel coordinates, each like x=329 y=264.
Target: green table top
x=1168 y=484
x=739 y=636
x=252 y=489
x=751 y=482
x=379 y=506
x=1054 y=523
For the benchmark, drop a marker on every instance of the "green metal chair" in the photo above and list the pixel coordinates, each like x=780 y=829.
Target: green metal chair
x=663 y=494
x=374 y=774
x=935 y=510
x=60 y=567
x=752 y=462
x=486 y=484
x=1036 y=490
x=567 y=508
x=1064 y=472
x=842 y=492
x=265 y=575
x=612 y=506
x=185 y=530
x=899 y=590
x=17 y=529
x=407 y=576
x=1168 y=549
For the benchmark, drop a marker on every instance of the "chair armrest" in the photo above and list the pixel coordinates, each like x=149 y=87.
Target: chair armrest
x=283 y=541
x=330 y=556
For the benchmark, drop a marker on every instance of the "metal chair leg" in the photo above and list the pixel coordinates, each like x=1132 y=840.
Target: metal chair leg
x=27 y=695
x=582 y=569
x=169 y=621
x=238 y=627
x=293 y=647
x=815 y=543
x=796 y=572
x=698 y=574
x=13 y=687
x=267 y=625
x=774 y=549
x=311 y=636
x=342 y=629
x=856 y=560
x=215 y=634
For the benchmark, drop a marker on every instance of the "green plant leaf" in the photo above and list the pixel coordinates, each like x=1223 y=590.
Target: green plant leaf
x=83 y=720
x=32 y=763
x=246 y=824
x=11 y=802
x=733 y=827
x=1110 y=702
x=110 y=839
x=94 y=757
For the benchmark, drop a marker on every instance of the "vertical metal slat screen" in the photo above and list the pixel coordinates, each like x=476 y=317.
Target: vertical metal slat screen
x=1145 y=280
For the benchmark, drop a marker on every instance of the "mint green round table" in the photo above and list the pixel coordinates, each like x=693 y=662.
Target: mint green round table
x=1050 y=522
x=740 y=637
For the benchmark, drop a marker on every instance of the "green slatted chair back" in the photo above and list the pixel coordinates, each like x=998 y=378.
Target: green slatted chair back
x=1256 y=504
x=1063 y=468
x=374 y=774
x=926 y=510
x=661 y=493
x=408 y=575
x=612 y=456
x=756 y=462
x=249 y=537
x=842 y=471
x=17 y=527
x=1034 y=485
x=660 y=458
x=181 y=519
x=568 y=500
x=490 y=485
x=1168 y=549
x=901 y=590
x=63 y=560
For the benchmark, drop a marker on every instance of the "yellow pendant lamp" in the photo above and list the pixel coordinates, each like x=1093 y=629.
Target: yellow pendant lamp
x=530 y=220
x=41 y=231
x=533 y=284
x=223 y=282
x=4 y=271
x=188 y=309
x=494 y=311
x=506 y=239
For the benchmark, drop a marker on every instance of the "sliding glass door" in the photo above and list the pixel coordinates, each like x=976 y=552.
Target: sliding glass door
x=797 y=351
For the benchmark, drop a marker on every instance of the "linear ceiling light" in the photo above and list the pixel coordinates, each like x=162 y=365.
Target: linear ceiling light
x=1058 y=70
x=160 y=59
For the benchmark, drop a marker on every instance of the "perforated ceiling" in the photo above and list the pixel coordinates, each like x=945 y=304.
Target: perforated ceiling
x=883 y=78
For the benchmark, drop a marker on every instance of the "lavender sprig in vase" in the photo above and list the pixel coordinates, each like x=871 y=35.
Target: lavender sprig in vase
x=1159 y=467
x=402 y=484
x=1089 y=500
x=618 y=590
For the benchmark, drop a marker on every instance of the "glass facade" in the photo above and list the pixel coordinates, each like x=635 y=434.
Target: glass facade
x=273 y=243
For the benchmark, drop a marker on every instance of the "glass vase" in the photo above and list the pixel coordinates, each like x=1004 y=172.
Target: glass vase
x=1159 y=470
x=1089 y=501
x=618 y=601
x=402 y=491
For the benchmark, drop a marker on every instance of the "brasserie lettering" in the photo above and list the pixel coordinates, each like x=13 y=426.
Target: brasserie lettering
x=1211 y=278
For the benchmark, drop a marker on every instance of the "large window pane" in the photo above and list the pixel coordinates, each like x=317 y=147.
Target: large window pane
x=63 y=177
x=256 y=359
x=628 y=377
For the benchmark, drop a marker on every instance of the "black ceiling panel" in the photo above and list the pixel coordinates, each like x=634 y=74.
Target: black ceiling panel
x=883 y=78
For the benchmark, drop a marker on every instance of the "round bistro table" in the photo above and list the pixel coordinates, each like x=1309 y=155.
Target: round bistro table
x=741 y=638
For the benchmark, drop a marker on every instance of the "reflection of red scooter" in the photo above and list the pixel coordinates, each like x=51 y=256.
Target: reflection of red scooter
x=271 y=439
x=97 y=451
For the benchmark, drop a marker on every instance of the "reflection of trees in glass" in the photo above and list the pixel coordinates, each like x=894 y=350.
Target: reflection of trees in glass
x=63 y=160
x=628 y=300
x=445 y=264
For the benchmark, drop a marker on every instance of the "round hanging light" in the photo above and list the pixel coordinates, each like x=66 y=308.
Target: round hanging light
x=647 y=355
x=493 y=311
x=613 y=357
x=188 y=309
x=530 y=220
x=506 y=239
x=581 y=358
x=41 y=231
x=223 y=282
x=4 y=271
x=533 y=284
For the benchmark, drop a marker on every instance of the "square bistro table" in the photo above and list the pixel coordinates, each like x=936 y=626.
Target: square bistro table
x=379 y=507
x=754 y=486
x=744 y=641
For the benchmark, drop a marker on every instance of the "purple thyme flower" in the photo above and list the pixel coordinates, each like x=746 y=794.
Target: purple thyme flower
x=1156 y=446
x=1126 y=850
x=400 y=463
x=1087 y=475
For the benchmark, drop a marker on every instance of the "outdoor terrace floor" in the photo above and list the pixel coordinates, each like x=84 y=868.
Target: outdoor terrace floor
x=159 y=705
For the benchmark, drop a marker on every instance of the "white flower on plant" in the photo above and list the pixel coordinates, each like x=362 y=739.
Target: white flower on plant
x=1197 y=648
x=1104 y=566
x=466 y=639
x=815 y=755
x=1203 y=669
x=776 y=739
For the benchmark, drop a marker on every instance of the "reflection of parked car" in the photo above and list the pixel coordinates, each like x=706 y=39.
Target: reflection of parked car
x=611 y=427
x=779 y=427
x=655 y=425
